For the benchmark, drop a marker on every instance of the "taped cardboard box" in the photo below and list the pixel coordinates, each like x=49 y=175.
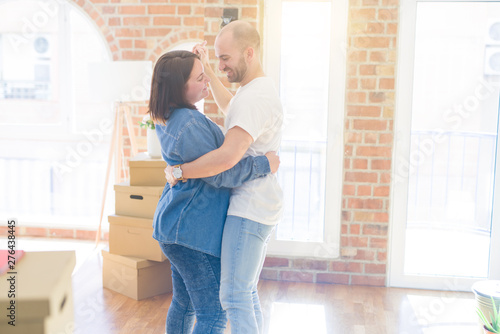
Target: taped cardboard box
x=43 y=294
x=147 y=171
x=132 y=236
x=134 y=277
x=136 y=201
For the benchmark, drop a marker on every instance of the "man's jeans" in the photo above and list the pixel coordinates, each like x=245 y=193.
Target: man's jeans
x=196 y=284
x=244 y=244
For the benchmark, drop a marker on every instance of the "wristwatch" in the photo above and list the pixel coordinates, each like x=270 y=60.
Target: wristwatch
x=177 y=172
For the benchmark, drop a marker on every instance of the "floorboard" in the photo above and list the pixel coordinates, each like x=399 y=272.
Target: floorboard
x=288 y=307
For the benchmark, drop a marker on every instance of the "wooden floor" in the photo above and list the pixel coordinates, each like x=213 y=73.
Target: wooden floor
x=289 y=308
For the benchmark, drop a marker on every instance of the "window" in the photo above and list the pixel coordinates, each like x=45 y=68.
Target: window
x=446 y=157
x=47 y=115
x=310 y=73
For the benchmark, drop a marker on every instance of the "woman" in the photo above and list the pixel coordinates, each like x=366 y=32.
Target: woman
x=189 y=218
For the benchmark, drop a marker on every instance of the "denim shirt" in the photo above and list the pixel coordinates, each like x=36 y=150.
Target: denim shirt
x=192 y=213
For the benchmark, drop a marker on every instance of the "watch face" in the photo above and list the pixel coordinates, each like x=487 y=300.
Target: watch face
x=177 y=173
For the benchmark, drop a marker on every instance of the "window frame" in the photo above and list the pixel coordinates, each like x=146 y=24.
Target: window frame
x=329 y=248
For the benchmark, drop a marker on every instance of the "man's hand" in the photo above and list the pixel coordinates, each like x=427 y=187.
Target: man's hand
x=169 y=175
x=274 y=161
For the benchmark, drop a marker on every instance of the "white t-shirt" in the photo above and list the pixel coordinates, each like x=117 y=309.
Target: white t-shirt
x=256 y=108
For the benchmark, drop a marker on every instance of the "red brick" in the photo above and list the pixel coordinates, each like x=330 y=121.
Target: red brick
x=166 y=21
x=392 y=29
x=367 y=69
x=382 y=191
x=378 y=56
x=354 y=229
x=363 y=111
x=388 y=14
x=361 y=177
x=374 y=151
x=108 y=9
x=356 y=97
x=368 y=280
x=193 y=21
x=369 y=204
x=160 y=32
x=363 y=14
x=355 y=241
x=61 y=233
x=132 y=10
x=332 y=278
x=375 y=28
x=364 y=191
x=359 y=56
x=133 y=55
x=377 y=97
x=381 y=164
x=352 y=83
x=125 y=43
x=276 y=262
x=140 y=44
x=386 y=138
x=371 y=42
x=365 y=255
x=369 y=83
x=296 y=276
x=249 y=12
x=378 y=243
x=370 y=138
x=349 y=190
x=382 y=256
x=386 y=83
x=137 y=21
x=114 y=21
x=371 y=268
x=4 y=230
x=85 y=235
x=163 y=9
x=269 y=274
x=360 y=164
x=362 y=124
x=128 y=32
x=375 y=230
x=309 y=264
x=36 y=232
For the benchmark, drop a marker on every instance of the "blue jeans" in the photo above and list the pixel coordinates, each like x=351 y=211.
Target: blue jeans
x=196 y=285
x=244 y=244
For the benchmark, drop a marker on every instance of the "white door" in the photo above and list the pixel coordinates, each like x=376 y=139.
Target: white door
x=445 y=215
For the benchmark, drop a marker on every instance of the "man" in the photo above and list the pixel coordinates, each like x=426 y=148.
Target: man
x=253 y=122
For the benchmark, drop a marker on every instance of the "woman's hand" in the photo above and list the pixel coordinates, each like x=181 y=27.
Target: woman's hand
x=274 y=161
x=169 y=175
x=201 y=50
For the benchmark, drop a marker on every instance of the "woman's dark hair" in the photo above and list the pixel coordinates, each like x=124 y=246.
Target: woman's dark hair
x=170 y=75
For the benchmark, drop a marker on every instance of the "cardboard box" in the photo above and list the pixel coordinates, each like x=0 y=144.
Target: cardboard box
x=43 y=294
x=134 y=277
x=147 y=171
x=132 y=236
x=136 y=201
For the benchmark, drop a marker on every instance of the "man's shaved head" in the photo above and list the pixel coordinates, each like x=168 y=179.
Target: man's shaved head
x=244 y=35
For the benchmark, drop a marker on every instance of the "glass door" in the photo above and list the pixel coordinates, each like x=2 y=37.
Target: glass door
x=446 y=145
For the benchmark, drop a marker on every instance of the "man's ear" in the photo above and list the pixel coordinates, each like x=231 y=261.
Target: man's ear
x=249 y=53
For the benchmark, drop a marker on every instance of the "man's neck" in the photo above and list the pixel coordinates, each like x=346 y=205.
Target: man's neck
x=258 y=73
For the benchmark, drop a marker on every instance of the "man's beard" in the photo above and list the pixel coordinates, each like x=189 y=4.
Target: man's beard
x=238 y=72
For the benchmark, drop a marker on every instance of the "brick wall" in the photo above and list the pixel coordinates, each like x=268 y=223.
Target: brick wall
x=145 y=29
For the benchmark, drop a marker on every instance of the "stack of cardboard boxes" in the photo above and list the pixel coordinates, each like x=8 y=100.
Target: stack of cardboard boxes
x=135 y=264
x=37 y=296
